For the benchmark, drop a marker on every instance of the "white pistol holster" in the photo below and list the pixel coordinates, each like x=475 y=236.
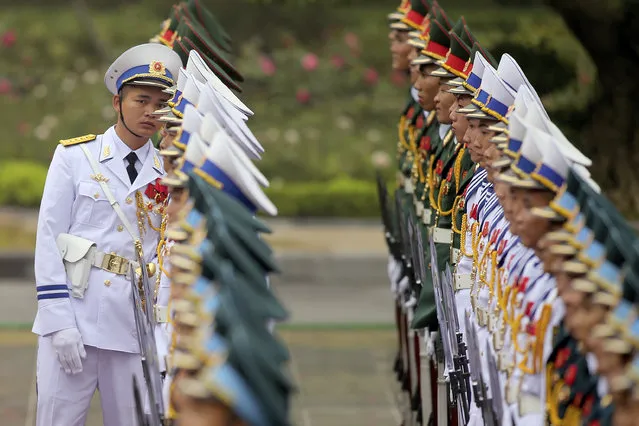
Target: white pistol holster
x=78 y=255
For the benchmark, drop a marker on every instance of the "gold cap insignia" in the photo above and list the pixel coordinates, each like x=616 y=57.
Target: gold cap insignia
x=157 y=67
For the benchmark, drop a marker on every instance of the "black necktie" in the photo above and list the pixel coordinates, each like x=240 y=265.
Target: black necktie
x=130 y=169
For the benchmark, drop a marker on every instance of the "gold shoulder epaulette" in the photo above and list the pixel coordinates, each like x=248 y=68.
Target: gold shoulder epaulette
x=79 y=139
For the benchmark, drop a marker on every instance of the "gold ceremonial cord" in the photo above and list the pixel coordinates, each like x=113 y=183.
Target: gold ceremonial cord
x=542 y=326
x=401 y=129
x=443 y=190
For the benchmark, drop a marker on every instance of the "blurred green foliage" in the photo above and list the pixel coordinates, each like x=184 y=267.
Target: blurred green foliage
x=317 y=76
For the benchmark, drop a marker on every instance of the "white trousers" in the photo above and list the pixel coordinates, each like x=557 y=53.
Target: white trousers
x=64 y=399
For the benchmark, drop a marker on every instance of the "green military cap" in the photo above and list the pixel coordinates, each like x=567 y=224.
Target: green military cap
x=456 y=59
x=243 y=373
x=414 y=18
x=168 y=34
x=469 y=84
x=192 y=30
x=439 y=40
x=198 y=187
x=257 y=297
x=399 y=13
x=213 y=27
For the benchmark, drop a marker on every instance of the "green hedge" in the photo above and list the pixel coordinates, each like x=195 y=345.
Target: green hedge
x=21 y=184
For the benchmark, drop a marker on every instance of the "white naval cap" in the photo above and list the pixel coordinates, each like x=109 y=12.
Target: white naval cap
x=190 y=95
x=510 y=71
x=530 y=153
x=553 y=168
x=191 y=123
x=211 y=128
x=149 y=64
x=538 y=117
x=222 y=168
x=198 y=68
x=234 y=125
x=500 y=98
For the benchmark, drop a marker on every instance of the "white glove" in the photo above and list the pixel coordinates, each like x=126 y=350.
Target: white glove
x=404 y=284
x=429 y=339
x=390 y=270
x=70 y=349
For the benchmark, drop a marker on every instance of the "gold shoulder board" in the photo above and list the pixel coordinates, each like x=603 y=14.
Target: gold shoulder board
x=79 y=139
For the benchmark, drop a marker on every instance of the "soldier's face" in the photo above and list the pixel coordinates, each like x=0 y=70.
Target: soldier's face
x=414 y=69
x=444 y=102
x=176 y=208
x=138 y=103
x=400 y=49
x=478 y=137
x=531 y=228
x=165 y=143
x=502 y=190
x=427 y=86
x=596 y=315
x=490 y=155
x=561 y=278
x=459 y=120
x=572 y=300
x=625 y=413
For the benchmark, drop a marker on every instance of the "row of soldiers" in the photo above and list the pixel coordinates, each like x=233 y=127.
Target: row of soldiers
x=515 y=280
x=221 y=362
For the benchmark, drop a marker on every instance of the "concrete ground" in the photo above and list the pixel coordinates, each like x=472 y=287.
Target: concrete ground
x=340 y=333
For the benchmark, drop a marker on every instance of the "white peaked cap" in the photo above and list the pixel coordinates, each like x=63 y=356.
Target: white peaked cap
x=240 y=120
x=584 y=173
x=192 y=120
x=149 y=60
x=246 y=161
x=553 y=159
x=196 y=65
x=517 y=127
x=237 y=130
x=480 y=64
x=538 y=118
x=510 y=71
x=210 y=129
x=181 y=81
x=195 y=150
x=534 y=143
x=523 y=98
x=207 y=103
x=191 y=92
x=221 y=158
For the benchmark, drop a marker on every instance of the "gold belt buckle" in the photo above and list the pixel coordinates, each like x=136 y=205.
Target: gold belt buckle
x=116 y=264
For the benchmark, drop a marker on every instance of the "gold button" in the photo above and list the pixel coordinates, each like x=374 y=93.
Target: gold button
x=107 y=283
x=120 y=228
x=96 y=195
x=129 y=200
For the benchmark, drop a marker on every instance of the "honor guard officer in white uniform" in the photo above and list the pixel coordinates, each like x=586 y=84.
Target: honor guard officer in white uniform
x=101 y=208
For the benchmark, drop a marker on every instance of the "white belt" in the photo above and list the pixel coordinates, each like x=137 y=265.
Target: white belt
x=463 y=282
x=426 y=217
x=454 y=255
x=481 y=317
x=442 y=236
x=111 y=262
x=161 y=314
x=529 y=404
x=419 y=207
x=408 y=186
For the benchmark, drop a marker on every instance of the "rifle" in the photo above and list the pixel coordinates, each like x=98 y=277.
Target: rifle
x=382 y=194
x=495 y=385
x=144 y=324
x=404 y=243
x=479 y=387
x=458 y=375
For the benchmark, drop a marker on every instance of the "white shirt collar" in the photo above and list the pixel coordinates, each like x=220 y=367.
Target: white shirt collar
x=443 y=129
x=122 y=149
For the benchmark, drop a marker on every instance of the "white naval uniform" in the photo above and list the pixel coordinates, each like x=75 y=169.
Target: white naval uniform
x=73 y=202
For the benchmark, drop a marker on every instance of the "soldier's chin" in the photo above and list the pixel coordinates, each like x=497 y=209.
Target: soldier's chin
x=146 y=130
